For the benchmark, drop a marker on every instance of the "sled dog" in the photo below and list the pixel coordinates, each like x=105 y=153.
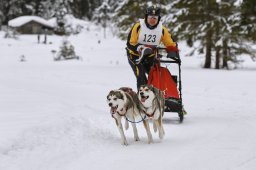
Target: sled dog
x=124 y=103
x=152 y=100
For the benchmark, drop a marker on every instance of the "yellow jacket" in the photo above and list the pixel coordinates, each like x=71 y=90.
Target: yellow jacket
x=132 y=41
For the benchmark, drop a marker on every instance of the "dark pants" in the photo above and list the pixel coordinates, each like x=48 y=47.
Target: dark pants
x=141 y=70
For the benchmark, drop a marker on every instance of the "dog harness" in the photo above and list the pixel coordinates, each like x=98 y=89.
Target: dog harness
x=150 y=115
x=142 y=119
x=122 y=110
x=112 y=113
x=153 y=113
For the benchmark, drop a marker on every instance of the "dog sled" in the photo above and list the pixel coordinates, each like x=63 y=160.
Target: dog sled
x=161 y=78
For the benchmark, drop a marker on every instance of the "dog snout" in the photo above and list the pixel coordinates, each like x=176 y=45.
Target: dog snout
x=110 y=104
x=141 y=93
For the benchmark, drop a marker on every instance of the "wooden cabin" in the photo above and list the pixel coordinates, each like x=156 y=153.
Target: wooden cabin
x=31 y=25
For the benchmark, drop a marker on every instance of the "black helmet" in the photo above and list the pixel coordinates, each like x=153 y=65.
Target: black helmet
x=152 y=10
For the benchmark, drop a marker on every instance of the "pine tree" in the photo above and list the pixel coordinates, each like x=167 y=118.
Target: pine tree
x=80 y=8
x=93 y=4
x=85 y=8
x=60 y=14
x=31 y=7
x=195 y=22
x=222 y=32
x=2 y=17
x=102 y=15
x=12 y=9
x=46 y=9
x=232 y=37
x=213 y=23
x=248 y=19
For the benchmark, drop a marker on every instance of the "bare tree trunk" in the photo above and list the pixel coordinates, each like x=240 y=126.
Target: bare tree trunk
x=208 y=59
x=217 y=34
x=225 y=55
x=217 y=57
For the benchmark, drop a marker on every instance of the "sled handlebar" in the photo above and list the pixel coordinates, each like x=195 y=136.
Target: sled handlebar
x=172 y=55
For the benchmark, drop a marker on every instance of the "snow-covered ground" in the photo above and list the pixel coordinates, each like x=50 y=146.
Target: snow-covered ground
x=54 y=115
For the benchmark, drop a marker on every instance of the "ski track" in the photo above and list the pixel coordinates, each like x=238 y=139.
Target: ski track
x=56 y=143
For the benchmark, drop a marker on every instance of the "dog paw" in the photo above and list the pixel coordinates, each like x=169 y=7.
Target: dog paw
x=150 y=141
x=161 y=135
x=125 y=143
x=137 y=138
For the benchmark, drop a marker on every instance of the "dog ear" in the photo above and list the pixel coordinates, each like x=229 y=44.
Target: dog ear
x=141 y=87
x=155 y=90
x=138 y=90
x=151 y=87
x=120 y=95
x=110 y=93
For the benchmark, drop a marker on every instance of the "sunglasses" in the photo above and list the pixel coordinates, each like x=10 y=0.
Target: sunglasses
x=153 y=17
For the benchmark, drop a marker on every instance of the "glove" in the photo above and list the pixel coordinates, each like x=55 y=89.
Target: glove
x=174 y=55
x=143 y=50
x=140 y=48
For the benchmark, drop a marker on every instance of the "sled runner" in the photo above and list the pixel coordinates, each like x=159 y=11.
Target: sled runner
x=161 y=78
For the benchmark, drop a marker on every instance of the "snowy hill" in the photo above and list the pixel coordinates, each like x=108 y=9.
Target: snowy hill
x=54 y=115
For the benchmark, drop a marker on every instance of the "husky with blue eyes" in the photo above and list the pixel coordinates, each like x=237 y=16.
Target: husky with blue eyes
x=124 y=103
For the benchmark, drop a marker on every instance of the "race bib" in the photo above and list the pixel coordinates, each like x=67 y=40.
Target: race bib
x=150 y=36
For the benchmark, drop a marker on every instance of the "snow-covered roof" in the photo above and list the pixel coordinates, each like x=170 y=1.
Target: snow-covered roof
x=70 y=20
x=19 y=21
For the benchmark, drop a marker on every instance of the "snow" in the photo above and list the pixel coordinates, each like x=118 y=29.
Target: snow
x=54 y=115
x=70 y=20
x=19 y=21
x=238 y=2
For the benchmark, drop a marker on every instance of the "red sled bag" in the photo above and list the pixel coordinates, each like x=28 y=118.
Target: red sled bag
x=161 y=78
